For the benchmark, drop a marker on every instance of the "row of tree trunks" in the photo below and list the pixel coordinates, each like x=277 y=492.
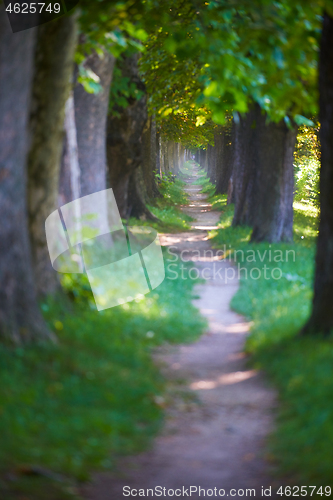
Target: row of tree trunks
x=54 y=56
x=20 y=318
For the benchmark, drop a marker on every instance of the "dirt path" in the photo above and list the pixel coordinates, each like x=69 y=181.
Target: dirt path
x=214 y=435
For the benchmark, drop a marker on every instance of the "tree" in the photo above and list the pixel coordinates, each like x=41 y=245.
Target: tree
x=224 y=160
x=90 y=115
x=321 y=319
x=264 y=176
x=125 y=129
x=20 y=318
x=149 y=160
x=54 y=63
x=273 y=190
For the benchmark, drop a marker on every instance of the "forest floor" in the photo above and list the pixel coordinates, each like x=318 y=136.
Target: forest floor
x=219 y=411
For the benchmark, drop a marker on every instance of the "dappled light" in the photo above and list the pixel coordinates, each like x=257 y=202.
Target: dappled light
x=166 y=257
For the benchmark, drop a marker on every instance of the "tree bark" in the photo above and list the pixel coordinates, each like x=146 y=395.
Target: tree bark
x=56 y=43
x=272 y=210
x=137 y=206
x=124 y=137
x=211 y=163
x=321 y=319
x=20 y=318
x=202 y=158
x=158 y=152
x=170 y=156
x=224 y=161
x=70 y=175
x=91 y=112
x=245 y=167
x=149 y=160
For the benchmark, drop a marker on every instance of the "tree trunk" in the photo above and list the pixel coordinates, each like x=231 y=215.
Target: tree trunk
x=56 y=43
x=244 y=167
x=70 y=175
x=91 y=112
x=170 y=156
x=272 y=214
x=124 y=137
x=158 y=153
x=149 y=160
x=224 y=162
x=20 y=318
x=321 y=319
x=211 y=163
x=137 y=206
x=202 y=158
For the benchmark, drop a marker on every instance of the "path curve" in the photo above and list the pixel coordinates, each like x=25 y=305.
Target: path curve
x=214 y=436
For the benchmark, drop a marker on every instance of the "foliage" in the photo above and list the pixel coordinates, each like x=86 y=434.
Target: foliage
x=173 y=88
x=172 y=189
x=111 y=26
x=301 y=368
x=70 y=407
x=122 y=91
x=261 y=51
x=307 y=164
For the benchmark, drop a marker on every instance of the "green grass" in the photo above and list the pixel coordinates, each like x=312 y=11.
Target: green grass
x=300 y=368
x=75 y=406
x=167 y=208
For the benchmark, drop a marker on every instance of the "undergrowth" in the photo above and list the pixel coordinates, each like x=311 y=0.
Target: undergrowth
x=301 y=368
x=167 y=207
x=73 y=407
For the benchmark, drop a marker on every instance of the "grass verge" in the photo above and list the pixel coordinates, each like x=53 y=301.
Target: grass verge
x=301 y=368
x=72 y=408
x=167 y=208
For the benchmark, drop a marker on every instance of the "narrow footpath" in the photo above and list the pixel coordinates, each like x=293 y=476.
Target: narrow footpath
x=215 y=434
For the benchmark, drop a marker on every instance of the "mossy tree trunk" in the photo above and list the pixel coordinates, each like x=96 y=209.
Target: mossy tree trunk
x=56 y=43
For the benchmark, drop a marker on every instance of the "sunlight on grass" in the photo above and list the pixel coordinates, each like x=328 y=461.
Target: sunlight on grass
x=73 y=406
x=301 y=369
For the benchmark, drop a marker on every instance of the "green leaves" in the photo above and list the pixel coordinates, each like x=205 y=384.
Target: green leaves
x=89 y=80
